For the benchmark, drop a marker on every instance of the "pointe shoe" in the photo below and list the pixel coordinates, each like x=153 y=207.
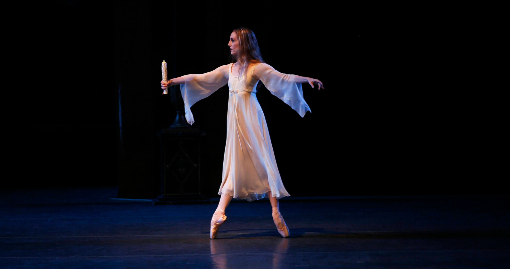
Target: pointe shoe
x=216 y=221
x=280 y=224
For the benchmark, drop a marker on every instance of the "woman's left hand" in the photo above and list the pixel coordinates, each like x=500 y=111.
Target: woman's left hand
x=313 y=81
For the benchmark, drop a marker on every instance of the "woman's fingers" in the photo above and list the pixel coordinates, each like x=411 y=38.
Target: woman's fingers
x=164 y=84
x=313 y=81
x=320 y=84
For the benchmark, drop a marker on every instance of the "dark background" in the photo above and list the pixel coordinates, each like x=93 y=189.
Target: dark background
x=392 y=120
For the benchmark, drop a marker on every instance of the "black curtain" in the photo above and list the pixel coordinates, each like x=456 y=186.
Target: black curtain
x=390 y=121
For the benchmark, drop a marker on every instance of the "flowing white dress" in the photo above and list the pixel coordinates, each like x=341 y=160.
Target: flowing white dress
x=249 y=164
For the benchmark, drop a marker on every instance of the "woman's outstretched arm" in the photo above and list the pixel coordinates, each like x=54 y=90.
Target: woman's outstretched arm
x=216 y=76
x=195 y=87
x=176 y=81
x=286 y=87
x=264 y=70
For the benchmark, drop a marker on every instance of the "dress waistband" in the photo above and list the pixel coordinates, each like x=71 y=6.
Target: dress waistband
x=236 y=91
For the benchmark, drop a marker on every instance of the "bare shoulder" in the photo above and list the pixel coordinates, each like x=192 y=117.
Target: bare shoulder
x=261 y=67
x=224 y=69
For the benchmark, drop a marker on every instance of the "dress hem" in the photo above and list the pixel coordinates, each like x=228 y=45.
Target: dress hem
x=253 y=196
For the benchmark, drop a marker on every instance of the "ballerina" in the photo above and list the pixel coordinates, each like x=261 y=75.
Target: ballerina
x=249 y=165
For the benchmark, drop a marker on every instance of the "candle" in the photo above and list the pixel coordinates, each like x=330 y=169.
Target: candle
x=164 y=75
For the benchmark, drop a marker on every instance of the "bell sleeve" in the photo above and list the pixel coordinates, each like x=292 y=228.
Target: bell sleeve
x=200 y=86
x=283 y=86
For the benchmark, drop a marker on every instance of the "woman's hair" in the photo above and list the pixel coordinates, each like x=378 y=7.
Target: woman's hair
x=249 y=51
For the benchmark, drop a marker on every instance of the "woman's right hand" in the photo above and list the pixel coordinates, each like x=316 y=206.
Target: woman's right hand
x=166 y=84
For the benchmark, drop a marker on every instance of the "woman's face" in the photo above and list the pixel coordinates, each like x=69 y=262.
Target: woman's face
x=233 y=44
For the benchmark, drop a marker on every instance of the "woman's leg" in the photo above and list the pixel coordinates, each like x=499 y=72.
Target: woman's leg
x=274 y=201
x=219 y=217
x=277 y=217
x=224 y=202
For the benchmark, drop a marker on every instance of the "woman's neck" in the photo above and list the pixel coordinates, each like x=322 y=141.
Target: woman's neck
x=239 y=63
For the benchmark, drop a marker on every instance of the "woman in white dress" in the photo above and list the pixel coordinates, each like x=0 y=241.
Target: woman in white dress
x=249 y=166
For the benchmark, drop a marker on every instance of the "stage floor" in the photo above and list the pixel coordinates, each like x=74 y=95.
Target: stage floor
x=70 y=228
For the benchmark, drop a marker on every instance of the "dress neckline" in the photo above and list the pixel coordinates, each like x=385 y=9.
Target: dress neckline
x=232 y=66
x=231 y=72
